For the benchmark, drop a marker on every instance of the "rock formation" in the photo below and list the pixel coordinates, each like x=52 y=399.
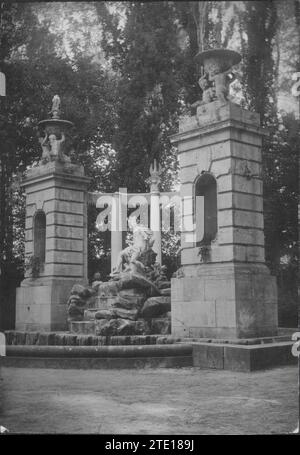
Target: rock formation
x=138 y=292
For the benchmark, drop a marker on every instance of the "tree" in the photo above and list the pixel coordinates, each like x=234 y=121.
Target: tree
x=34 y=74
x=146 y=55
x=261 y=47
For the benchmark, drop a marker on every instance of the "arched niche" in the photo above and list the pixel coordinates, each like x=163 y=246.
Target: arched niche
x=206 y=211
x=39 y=235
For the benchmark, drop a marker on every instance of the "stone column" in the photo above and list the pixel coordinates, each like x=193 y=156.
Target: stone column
x=228 y=291
x=155 y=216
x=55 y=230
x=57 y=190
x=117 y=215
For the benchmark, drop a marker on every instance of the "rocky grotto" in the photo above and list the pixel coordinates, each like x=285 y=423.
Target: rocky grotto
x=135 y=301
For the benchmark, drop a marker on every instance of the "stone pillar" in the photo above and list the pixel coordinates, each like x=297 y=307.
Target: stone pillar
x=117 y=214
x=224 y=288
x=55 y=229
x=155 y=216
x=57 y=190
x=155 y=223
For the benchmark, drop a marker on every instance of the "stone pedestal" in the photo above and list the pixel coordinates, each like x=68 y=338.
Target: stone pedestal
x=57 y=192
x=228 y=291
x=118 y=225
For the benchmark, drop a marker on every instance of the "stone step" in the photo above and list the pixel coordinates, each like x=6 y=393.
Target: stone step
x=242 y=357
x=71 y=339
x=199 y=355
x=98 y=357
x=241 y=341
x=180 y=349
x=65 y=350
x=97 y=363
x=104 y=327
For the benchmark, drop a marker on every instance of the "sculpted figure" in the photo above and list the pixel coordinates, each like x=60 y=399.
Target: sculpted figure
x=222 y=80
x=208 y=94
x=57 y=146
x=55 y=106
x=129 y=259
x=216 y=65
x=46 y=156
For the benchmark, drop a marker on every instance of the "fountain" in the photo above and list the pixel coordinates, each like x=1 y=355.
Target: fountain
x=135 y=301
x=53 y=143
x=216 y=75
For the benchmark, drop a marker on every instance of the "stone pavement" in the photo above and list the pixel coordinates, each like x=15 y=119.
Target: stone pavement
x=149 y=401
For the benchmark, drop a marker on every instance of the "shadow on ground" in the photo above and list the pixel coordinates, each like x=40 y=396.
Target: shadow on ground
x=161 y=401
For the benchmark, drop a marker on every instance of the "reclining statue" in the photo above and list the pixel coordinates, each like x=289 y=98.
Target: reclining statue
x=134 y=257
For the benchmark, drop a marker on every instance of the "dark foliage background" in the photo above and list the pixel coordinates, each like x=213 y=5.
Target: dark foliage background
x=125 y=72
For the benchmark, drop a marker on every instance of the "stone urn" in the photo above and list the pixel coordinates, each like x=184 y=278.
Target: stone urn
x=217 y=60
x=55 y=131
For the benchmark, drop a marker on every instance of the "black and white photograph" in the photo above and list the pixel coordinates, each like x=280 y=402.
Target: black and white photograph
x=149 y=221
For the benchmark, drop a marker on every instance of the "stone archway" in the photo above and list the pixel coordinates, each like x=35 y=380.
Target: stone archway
x=206 y=210
x=39 y=235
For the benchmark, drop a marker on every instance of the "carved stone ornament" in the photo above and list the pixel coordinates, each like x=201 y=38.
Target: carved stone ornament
x=216 y=74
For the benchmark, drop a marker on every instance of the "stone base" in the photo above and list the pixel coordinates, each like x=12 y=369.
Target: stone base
x=224 y=301
x=61 y=350
x=66 y=350
x=18 y=338
x=155 y=326
x=41 y=304
x=83 y=357
x=242 y=358
x=98 y=363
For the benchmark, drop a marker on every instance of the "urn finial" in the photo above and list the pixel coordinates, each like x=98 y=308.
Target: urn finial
x=154 y=179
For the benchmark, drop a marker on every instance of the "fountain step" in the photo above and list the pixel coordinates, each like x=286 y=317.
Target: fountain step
x=83 y=357
x=66 y=350
x=97 y=363
x=18 y=338
x=118 y=326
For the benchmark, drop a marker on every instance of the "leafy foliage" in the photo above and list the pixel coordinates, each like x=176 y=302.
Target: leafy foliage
x=34 y=73
x=125 y=72
x=261 y=22
x=146 y=55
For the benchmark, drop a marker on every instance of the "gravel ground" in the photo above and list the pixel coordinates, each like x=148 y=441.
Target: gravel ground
x=149 y=401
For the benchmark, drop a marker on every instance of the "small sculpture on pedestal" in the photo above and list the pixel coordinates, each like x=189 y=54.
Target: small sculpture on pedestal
x=53 y=149
x=57 y=148
x=221 y=82
x=46 y=157
x=54 y=142
x=208 y=92
x=55 y=107
x=216 y=74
